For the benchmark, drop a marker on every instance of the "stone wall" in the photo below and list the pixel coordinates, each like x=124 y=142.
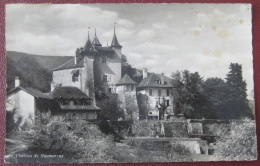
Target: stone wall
x=177 y=128
x=64 y=77
x=88 y=78
x=128 y=102
x=193 y=145
x=153 y=128
x=211 y=127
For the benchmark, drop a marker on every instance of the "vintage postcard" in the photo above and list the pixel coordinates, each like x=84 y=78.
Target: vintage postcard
x=129 y=83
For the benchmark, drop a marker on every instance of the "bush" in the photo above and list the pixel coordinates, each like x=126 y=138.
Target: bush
x=240 y=144
x=82 y=140
x=178 y=152
x=141 y=128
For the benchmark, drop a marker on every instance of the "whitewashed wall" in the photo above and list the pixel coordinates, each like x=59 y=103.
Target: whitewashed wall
x=24 y=105
x=64 y=77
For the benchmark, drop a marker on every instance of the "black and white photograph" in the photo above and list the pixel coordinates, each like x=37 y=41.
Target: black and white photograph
x=129 y=83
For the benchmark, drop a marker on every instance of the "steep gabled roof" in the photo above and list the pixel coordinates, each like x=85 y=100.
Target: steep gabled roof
x=151 y=81
x=31 y=91
x=71 y=64
x=126 y=80
x=68 y=92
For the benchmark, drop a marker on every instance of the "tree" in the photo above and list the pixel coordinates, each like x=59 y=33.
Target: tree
x=216 y=92
x=188 y=98
x=33 y=75
x=161 y=105
x=238 y=102
x=131 y=71
x=143 y=105
x=110 y=107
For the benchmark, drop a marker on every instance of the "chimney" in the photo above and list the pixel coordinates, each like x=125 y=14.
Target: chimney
x=75 y=60
x=16 y=82
x=162 y=78
x=144 y=73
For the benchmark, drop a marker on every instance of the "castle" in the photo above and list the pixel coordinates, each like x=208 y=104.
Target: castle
x=95 y=68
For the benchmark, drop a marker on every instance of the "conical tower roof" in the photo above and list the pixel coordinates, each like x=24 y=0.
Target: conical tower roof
x=115 y=42
x=88 y=46
x=96 y=42
x=126 y=80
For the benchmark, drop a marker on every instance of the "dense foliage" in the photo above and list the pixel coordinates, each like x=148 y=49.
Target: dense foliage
x=241 y=144
x=178 y=152
x=109 y=106
x=238 y=103
x=213 y=98
x=30 y=72
x=80 y=139
x=143 y=104
x=188 y=96
x=131 y=71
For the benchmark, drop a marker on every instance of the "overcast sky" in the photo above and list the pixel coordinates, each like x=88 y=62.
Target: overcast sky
x=161 y=37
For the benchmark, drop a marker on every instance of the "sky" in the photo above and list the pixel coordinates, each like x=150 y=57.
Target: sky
x=163 y=38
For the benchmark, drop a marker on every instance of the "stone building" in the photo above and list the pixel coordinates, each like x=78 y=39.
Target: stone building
x=97 y=68
x=93 y=68
x=157 y=88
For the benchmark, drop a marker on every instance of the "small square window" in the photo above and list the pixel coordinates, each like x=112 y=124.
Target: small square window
x=167 y=102
x=75 y=79
x=106 y=78
x=159 y=92
x=168 y=92
x=150 y=92
x=132 y=87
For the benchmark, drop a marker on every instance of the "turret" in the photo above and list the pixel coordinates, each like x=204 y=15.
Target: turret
x=88 y=48
x=95 y=41
x=115 y=43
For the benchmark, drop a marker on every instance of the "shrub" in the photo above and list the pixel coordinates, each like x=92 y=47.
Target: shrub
x=141 y=128
x=82 y=140
x=240 y=144
x=178 y=152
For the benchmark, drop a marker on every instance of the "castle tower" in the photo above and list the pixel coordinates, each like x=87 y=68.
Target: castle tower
x=115 y=44
x=116 y=65
x=126 y=90
x=88 y=54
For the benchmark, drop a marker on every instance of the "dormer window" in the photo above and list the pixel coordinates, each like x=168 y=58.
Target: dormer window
x=158 y=81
